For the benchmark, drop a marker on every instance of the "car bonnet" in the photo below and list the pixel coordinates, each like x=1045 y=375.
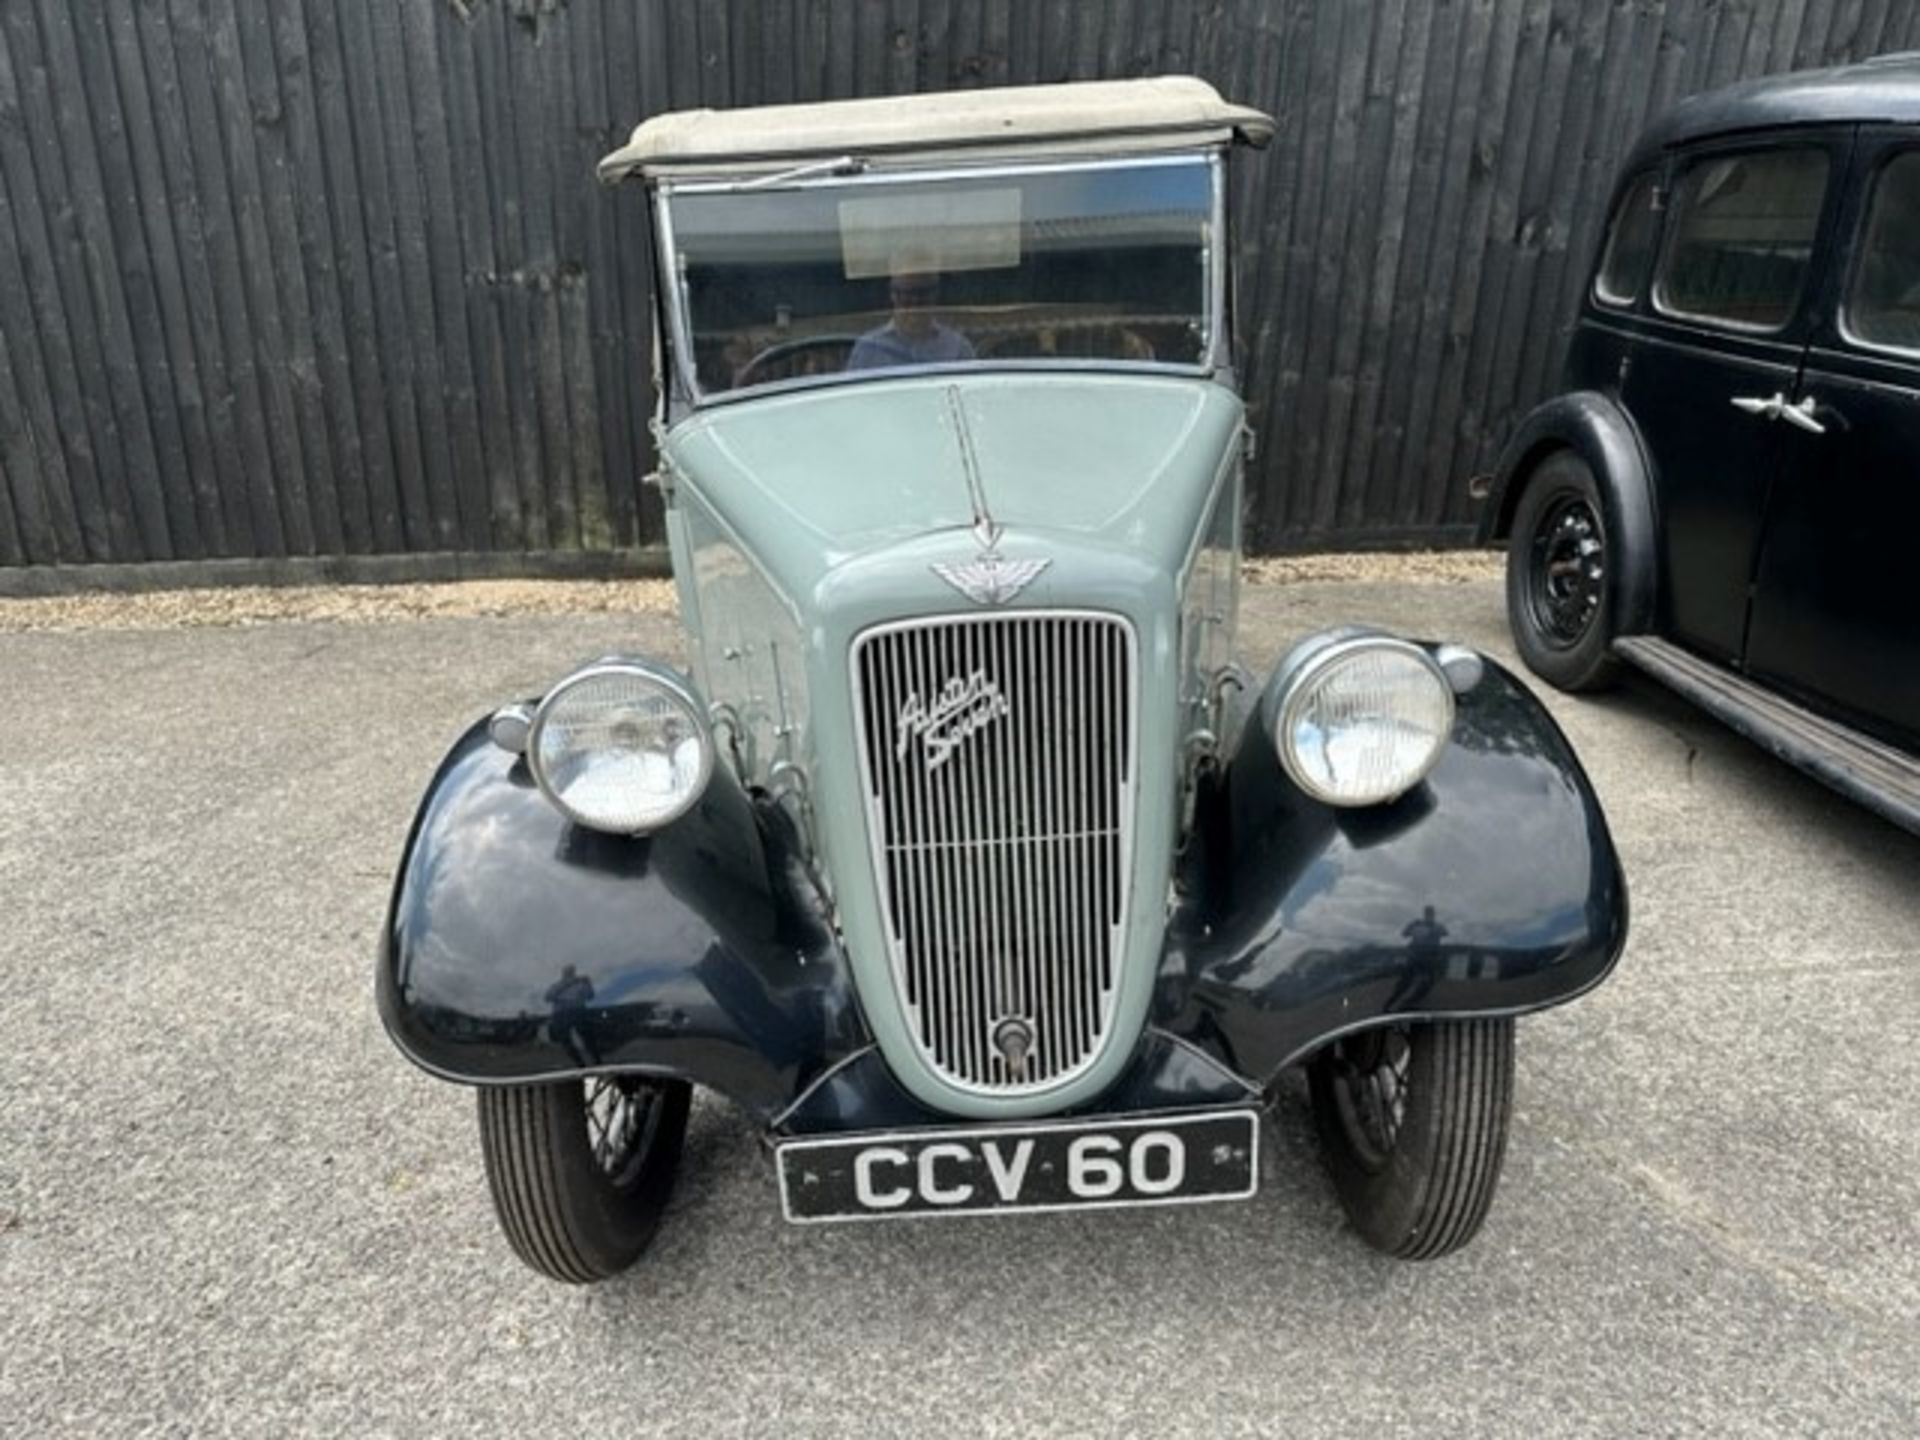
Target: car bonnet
x=811 y=481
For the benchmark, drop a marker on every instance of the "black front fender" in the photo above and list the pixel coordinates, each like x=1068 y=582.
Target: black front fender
x=519 y=946
x=1492 y=888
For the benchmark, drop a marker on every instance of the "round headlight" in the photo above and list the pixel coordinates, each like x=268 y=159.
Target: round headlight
x=1361 y=720
x=621 y=746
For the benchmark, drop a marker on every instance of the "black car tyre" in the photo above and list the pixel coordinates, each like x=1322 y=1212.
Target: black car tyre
x=1413 y=1124
x=1561 y=576
x=580 y=1172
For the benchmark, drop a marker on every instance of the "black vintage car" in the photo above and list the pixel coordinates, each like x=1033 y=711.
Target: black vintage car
x=1727 y=493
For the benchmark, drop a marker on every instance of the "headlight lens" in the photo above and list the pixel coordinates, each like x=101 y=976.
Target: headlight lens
x=621 y=746
x=1361 y=720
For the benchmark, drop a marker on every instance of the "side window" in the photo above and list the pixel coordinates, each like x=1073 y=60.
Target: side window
x=1742 y=229
x=1883 y=302
x=1623 y=263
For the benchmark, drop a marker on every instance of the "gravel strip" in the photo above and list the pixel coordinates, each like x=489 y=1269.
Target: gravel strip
x=1444 y=567
x=242 y=606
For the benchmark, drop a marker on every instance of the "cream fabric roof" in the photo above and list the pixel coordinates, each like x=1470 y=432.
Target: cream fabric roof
x=1158 y=110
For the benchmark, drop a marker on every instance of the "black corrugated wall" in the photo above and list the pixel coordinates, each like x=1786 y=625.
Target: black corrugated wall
x=285 y=278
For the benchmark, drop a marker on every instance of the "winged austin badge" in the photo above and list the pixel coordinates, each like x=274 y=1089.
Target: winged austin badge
x=989 y=579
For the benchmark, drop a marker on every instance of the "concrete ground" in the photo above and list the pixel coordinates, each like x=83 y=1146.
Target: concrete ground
x=227 y=1205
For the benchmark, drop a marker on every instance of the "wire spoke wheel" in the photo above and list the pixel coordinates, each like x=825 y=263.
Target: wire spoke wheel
x=1370 y=1091
x=1413 y=1125
x=623 y=1115
x=580 y=1170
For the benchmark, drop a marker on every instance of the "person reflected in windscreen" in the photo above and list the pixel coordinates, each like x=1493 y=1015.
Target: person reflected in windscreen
x=915 y=334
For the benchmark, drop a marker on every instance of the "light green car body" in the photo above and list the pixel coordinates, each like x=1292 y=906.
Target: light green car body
x=798 y=520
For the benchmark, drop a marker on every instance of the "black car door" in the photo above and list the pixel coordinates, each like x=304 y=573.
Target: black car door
x=1719 y=355
x=1836 y=607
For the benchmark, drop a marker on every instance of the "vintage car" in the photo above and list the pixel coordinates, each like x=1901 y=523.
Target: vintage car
x=967 y=862
x=1727 y=493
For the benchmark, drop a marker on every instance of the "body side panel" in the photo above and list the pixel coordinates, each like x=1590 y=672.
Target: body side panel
x=749 y=648
x=1210 y=613
x=1835 y=620
x=1835 y=623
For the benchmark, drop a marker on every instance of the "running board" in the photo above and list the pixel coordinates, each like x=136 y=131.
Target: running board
x=1885 y=780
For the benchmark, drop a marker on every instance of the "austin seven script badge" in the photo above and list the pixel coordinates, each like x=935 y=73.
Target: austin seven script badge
x=955 y=711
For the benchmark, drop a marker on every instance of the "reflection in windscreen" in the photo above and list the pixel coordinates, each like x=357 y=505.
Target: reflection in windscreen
x=1106 y=263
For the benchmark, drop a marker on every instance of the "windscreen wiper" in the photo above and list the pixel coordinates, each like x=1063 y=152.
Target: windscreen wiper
x=843 y=165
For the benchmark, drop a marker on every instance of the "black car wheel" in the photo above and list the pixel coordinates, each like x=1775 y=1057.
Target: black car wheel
x=581 y=1171
x=1560 y=576
x=1413 y=1123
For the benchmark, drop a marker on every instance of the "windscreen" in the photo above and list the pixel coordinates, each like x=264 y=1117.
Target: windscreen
x=1100 y=263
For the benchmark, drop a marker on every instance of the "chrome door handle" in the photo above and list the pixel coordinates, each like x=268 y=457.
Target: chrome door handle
x=1802 y=415
x=1770 y=407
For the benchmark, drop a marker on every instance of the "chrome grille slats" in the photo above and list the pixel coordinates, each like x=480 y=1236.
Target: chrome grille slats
x=998 y=769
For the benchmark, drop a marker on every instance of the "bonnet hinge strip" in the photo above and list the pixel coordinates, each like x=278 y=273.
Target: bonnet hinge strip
x=985 y=529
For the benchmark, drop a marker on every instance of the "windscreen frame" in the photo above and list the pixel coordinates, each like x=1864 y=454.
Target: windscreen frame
x=670 y=279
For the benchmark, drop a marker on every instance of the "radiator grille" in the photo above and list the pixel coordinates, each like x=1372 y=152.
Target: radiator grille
x=998 y=760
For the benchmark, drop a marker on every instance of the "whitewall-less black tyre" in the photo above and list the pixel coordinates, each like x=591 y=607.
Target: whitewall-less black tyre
x=1413 y=1124
x=580 y=1171
x=1561 y=576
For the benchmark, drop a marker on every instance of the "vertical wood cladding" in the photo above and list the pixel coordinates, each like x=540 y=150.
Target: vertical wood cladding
x=332 y=277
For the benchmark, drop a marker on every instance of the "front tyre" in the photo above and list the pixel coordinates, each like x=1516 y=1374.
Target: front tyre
x=580 y=1171
x=1413 y=1125
x=1561 y=576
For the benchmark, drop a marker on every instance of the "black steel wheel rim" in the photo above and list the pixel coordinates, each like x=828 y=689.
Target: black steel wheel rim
x=1369 y=1075
x=1566 y=583
x=623 y=1112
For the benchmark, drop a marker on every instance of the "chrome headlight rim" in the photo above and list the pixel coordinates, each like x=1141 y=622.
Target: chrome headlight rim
x=653 y=672
x=1293 y=686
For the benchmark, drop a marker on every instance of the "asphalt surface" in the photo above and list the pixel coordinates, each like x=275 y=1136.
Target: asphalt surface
x=228 y=1206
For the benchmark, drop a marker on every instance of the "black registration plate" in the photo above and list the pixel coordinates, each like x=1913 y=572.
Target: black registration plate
x=1061 y=1165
